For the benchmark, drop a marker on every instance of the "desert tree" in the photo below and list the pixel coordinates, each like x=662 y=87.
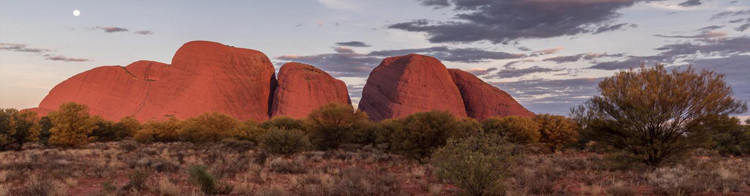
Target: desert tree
x=657 y=115
x=334 y=124
x=72 y=125
x=556 y=130
x=17 y=128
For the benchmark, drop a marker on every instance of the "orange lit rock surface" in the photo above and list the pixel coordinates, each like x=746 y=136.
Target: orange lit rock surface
x=303 y=88
x=203 y=77
x=483 y=100
x=404 y=85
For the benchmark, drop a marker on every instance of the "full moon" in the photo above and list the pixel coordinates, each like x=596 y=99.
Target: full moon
x=76 y=12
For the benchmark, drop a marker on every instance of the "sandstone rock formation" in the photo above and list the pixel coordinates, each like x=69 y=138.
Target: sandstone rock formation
x=483 y=100
x=203 y=77
x=404 y=85
x=211 y=77
x=303 y=88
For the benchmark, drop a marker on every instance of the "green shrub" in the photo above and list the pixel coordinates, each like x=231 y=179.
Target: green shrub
x=516 y=129
x=200 y=176
x=72 y=125
x=284 y=122
x=46 y=124
x=208 y=127
x=104 y=131
x=17 y=128
x=417 y=135
x=730 y=137
x=159 y=131
x=138 y=179
x=477 y=164
x=249 y=131
x=283 y=141
x=556 y=131
x=334 y=124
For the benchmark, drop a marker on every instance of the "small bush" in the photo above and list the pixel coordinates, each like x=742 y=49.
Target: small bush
x=516 y=129
x=72 y=125
x=249 y=131
x=108 y=131
x=284 y=122
x=280 y=165
x=138 y=179
x=417 y=135
x=43 y=186
x=200 y=176
x=207 y=127
x=477 y=164
x=18 y=128
x=556 y=131
x=283 y=141
x=334 y=124
x=156 y=131
x=619 y=190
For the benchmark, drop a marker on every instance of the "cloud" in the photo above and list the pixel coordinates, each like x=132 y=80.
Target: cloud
x=551 y=96
x=711 y=28
x=547 y=51
x=481 y=71
x=464 y=55
x=353 y=44
x=616 y=27
x=339 y=4
x=743 y=27
x=514 y=72
x=111 y=29
x=347 y=62
x=726 y=14
x=508 y=20
x=144 y=32
x=21 y=48
x=737 y=20
x=577 y=57
x=691 y=3
x=714 y=48
x=705 y=34
x=513 y=63
x=63 y=58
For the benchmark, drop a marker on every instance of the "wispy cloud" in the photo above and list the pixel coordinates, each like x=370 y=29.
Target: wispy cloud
x=353 y=44
x=21 y=48
x=705 y=34
x=111 y=29
x=144 y=32
x=64 y=58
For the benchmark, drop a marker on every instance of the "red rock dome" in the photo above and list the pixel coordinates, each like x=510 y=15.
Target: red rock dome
x=303 y=88
x=203 y=77
x=483 y=100
x=403 y=85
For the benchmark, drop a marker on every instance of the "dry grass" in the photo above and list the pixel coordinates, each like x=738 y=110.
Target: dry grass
x=357 y=171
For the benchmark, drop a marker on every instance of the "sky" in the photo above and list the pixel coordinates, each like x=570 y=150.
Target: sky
x=548 y=54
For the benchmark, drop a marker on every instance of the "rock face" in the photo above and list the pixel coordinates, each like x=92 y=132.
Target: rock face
x=203 y=77
x=303 y=88
x=212 y=77
x=483 y=100
x=404 y=85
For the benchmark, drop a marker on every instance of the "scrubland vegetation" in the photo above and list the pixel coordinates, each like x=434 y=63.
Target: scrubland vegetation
x=649 y=132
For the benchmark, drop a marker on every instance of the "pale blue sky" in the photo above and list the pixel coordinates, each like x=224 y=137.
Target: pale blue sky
x=33 y=32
